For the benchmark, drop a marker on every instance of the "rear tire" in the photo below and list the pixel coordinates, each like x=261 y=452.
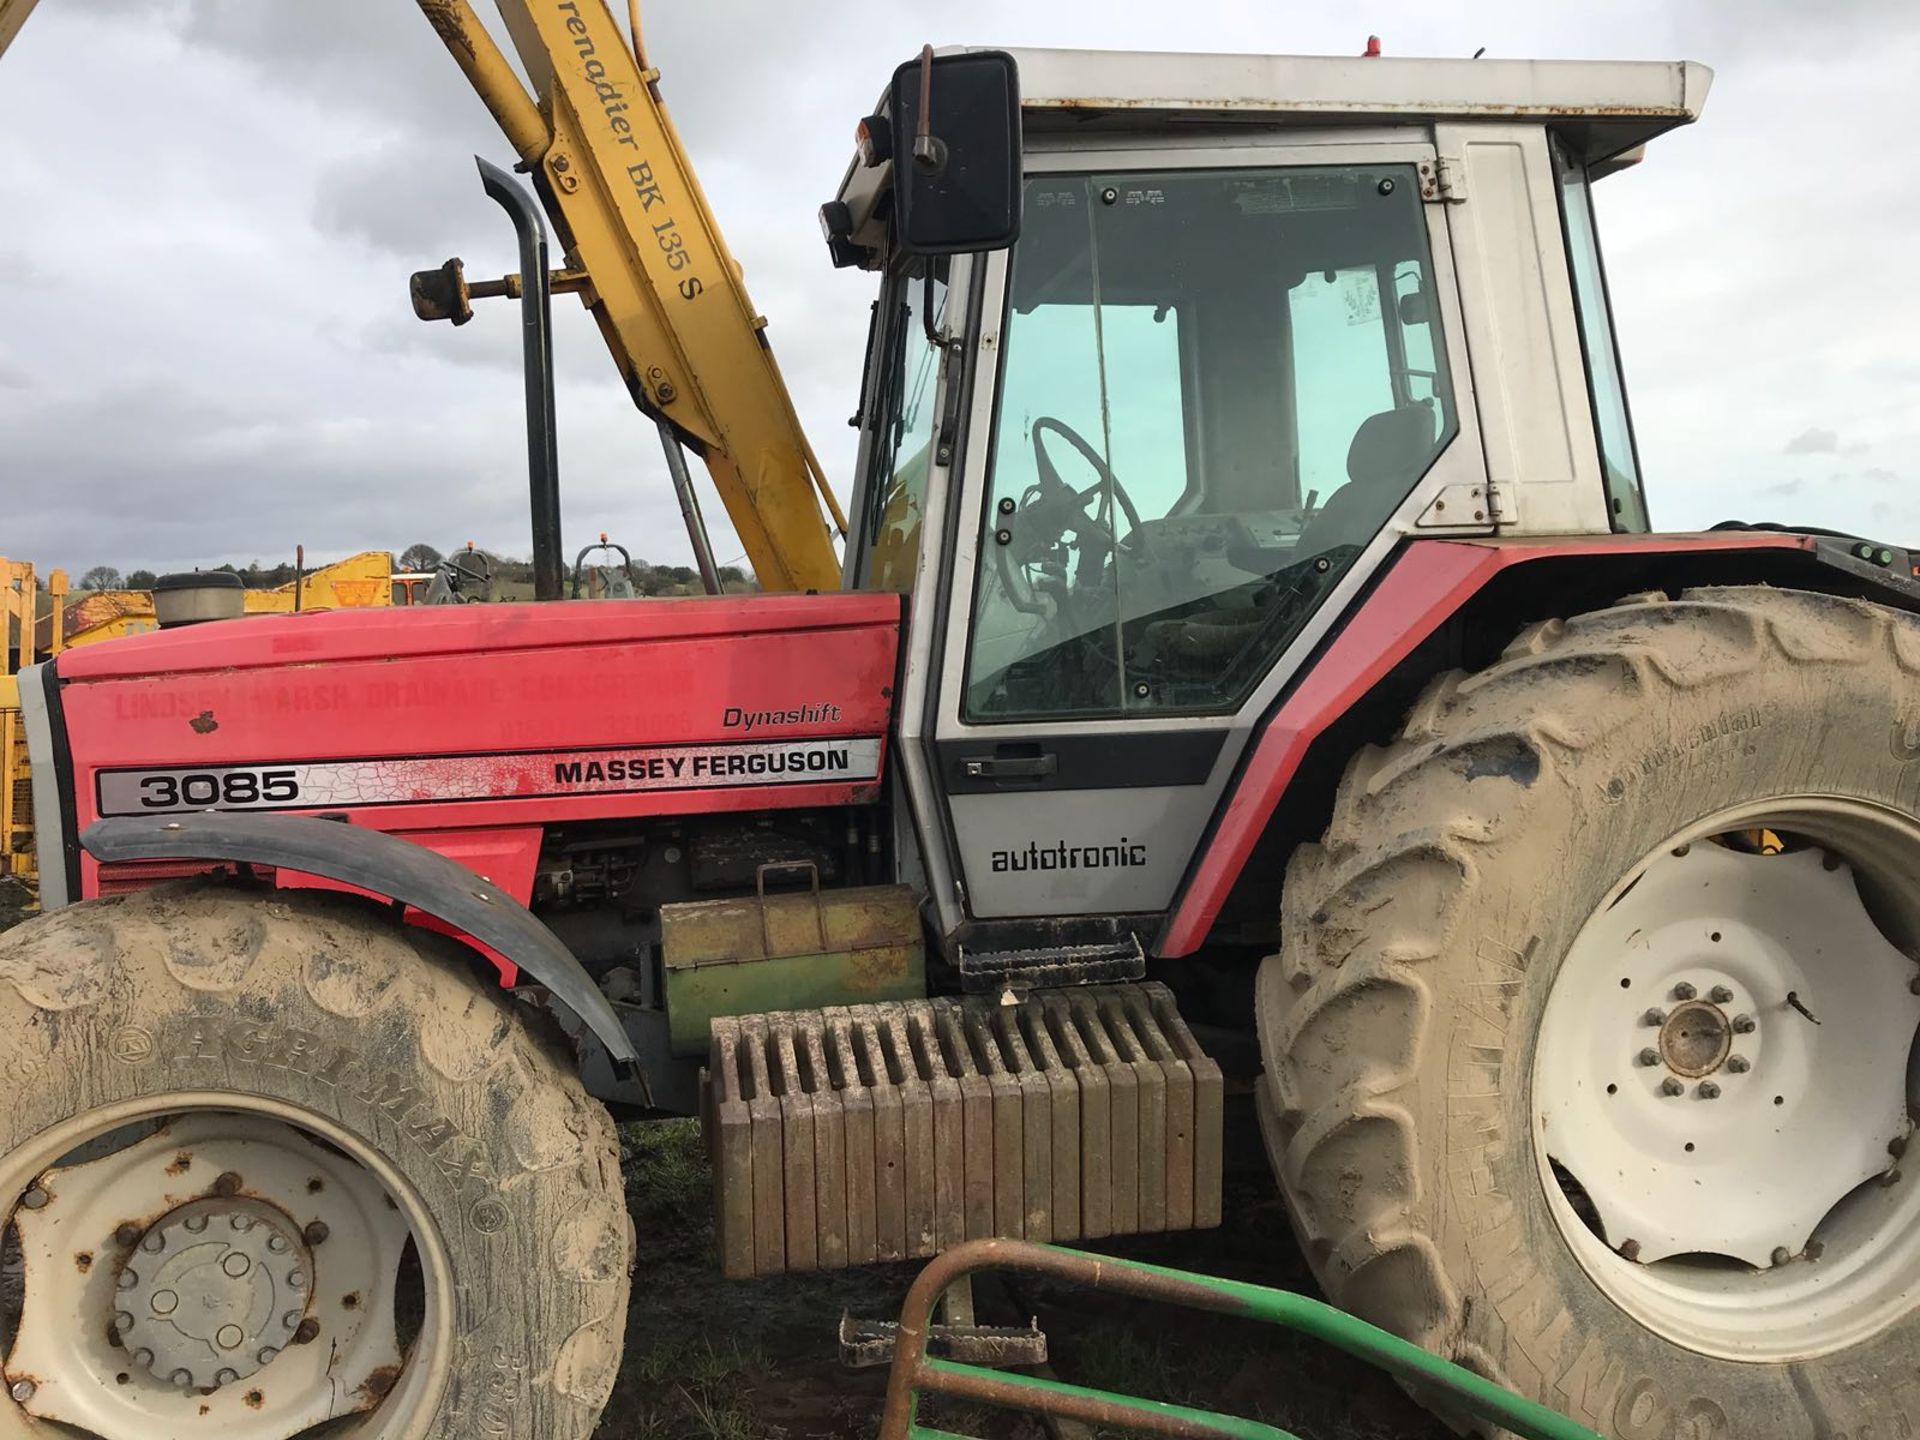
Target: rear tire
x=316 y=1012
x=1423 y=940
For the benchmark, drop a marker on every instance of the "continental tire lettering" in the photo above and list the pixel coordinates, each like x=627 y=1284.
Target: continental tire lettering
x=1592 y=1384
x=1655 y=761
x=1643 y=1412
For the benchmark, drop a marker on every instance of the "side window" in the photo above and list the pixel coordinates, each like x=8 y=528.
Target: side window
x=1335 y=317
x=903 y=459
x=1612 y=425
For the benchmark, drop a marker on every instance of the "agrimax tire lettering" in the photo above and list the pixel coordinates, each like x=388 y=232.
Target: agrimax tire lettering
x=287 y=1047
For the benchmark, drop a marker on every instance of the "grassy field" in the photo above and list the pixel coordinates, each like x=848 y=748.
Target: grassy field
x=710 y=1359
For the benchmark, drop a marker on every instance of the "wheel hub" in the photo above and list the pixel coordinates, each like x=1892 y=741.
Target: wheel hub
x=213 y=1291
x=1696 y=1039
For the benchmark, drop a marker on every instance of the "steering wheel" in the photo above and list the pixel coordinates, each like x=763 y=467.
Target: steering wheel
x=1052 y=508
x=1058 y=496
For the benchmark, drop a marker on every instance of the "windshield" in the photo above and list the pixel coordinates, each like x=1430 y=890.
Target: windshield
x=1216 y=387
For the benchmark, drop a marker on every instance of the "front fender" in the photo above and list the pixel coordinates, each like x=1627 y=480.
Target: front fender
x=385 y=865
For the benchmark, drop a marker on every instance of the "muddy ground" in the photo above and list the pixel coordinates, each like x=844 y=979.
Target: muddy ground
x=716 y=1360
x=709 y=1359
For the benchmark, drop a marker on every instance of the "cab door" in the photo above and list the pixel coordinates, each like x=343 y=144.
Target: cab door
x=1206 y=404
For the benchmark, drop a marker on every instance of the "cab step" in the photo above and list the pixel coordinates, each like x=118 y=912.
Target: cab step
x=894 y=1131
x=1102 y=962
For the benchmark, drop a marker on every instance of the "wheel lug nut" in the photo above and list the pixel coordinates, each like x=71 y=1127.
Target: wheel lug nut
x=1684 y=991
x=182 y=1378
x=34 y=1198
x=296 y=1280
x=1655 y=1016
x=1630 y=1249
x=316 y=1232
x=1743 y=1024
x=1709 y=1090
x=226 y=1183
x=225 y=1377
x=22 y=1391
x=267 y=1352
x=196 y=1223
x=1649 y=1056
x=1720 y=995
x=1671 y=1086
x=127 y=1236
x=277 y=1244
x=291 y=1319
x=128 y=1279
x=1781 y=1255
x=154 y=1243
x=143 y=1356
x=123 y=1321
x=1739 y=1064
x=309 y=1328
x=242 y=1223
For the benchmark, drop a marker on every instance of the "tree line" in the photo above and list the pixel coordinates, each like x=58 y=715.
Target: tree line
x=511 y=570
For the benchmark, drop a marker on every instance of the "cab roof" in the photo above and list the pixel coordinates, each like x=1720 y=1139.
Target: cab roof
x=1598 y=107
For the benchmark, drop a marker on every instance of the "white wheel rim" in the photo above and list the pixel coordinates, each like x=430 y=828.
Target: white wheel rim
x=296 y=1245
x=1734 y=1112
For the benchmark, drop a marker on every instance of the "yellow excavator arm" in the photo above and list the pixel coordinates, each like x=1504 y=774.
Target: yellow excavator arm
x=614 y=179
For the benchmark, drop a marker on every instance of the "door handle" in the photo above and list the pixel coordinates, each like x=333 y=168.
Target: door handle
x=1007 y=767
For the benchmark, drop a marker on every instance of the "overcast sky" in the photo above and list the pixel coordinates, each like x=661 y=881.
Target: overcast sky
x=209 y=209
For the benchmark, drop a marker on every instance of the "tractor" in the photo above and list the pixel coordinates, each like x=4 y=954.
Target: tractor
x=1248 y=639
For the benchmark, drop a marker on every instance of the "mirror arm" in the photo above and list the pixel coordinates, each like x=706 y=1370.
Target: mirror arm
x=929 y=151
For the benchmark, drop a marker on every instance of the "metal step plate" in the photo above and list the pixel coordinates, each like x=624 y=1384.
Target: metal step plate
x=885 y=1132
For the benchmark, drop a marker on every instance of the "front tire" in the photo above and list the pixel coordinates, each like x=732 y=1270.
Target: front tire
x=1434 y=1012
x=225 y=1104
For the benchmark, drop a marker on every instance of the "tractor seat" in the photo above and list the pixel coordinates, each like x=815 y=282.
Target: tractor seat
x=1388 y=453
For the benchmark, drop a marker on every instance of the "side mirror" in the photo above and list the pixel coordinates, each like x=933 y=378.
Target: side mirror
x=956 y=155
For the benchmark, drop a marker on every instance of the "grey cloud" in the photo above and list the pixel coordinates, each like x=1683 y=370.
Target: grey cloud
x=1784 y=487
x=1880 y=475
x=491 y=341
x=1812 y=442
x=412 y=200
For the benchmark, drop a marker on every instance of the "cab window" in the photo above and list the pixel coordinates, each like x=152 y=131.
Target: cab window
x=902 y=458
x=1215 y=388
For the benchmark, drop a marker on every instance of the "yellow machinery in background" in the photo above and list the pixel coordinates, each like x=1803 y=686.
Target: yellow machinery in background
x=37 y=625
x=358 y=580
x=19 y=621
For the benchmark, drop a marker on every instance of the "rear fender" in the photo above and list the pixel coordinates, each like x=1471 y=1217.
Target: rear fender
x=452 y=897
x=1456 y=604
